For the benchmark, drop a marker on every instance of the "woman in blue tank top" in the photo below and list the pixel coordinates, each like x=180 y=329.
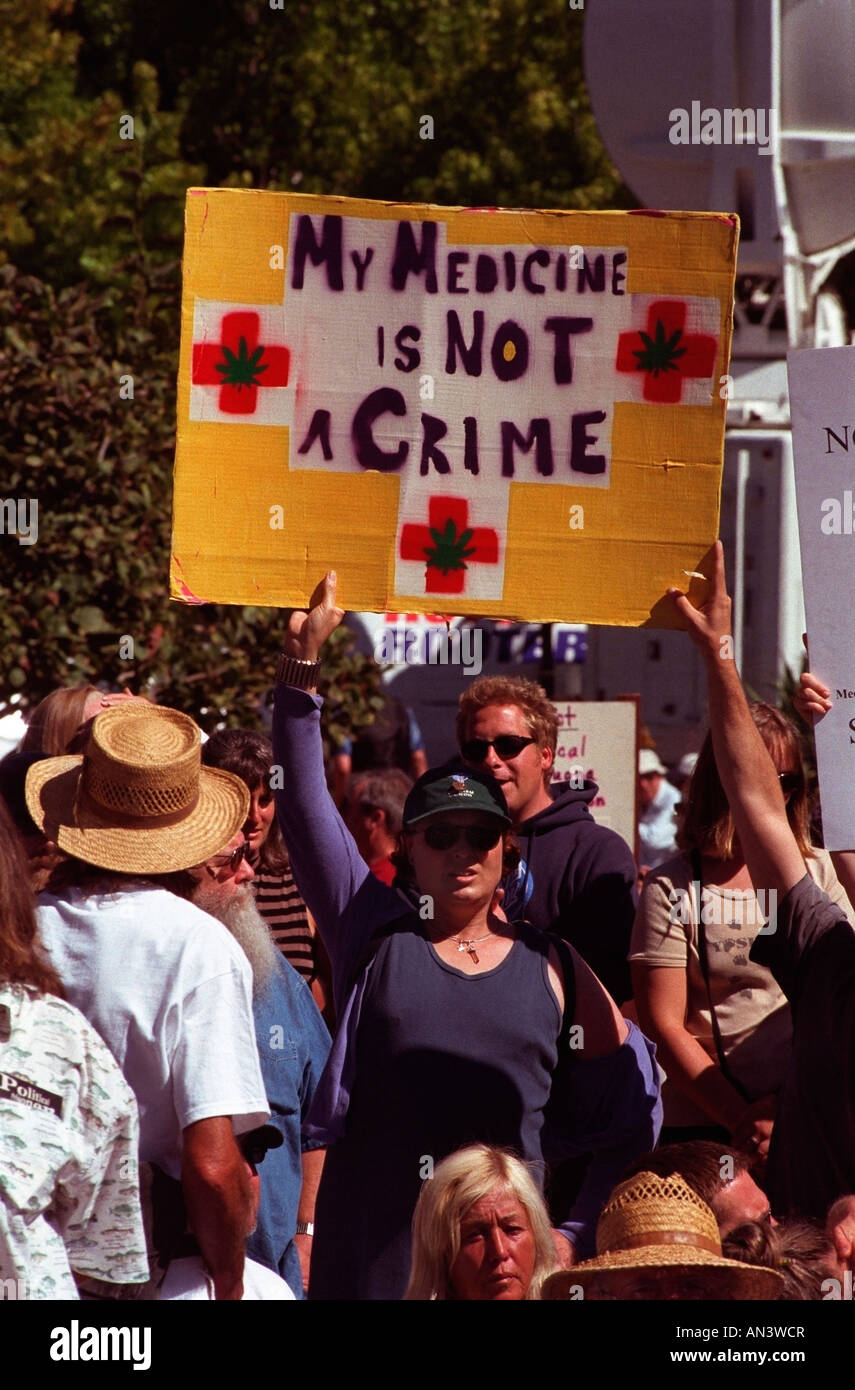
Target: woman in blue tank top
x=456 y=1026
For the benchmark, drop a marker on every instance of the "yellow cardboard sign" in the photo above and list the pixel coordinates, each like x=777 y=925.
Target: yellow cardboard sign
x=514 y=414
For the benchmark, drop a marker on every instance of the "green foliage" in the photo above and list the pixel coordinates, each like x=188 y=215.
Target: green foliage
x=75 y=197
x=319 y=96
x=100 y=469
x=350 y=685
x=788 y=688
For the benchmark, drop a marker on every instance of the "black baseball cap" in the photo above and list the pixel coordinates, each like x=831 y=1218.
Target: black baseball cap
x=455 y=787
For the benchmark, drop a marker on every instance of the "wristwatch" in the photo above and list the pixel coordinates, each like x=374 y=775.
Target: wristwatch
x=302 y=674
x=305 y=1228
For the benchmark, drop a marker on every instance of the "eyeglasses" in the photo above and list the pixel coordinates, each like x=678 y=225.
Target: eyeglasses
x=478 y=837
x=507 y=746
x=231 y=859
x=790 y=781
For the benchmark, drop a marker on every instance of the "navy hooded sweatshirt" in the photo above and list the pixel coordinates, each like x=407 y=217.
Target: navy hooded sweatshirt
x=579 y=881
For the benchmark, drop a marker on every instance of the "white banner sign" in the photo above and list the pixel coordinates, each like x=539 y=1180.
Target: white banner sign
x=822 y=403
x=597 y=740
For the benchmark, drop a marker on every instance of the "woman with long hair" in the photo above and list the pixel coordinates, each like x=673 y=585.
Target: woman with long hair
x=58 y=719
x=721 y=1025
x=69 y=1199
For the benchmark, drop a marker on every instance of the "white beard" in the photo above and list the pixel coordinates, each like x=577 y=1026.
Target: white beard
x=239 y=914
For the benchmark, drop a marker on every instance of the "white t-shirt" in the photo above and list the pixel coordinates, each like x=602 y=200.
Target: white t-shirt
x=170 y=992
x=69 y=1188
x=657 y=826
x=186 y=1279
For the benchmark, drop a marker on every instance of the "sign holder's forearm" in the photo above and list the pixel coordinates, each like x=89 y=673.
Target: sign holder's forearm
x=746 y=770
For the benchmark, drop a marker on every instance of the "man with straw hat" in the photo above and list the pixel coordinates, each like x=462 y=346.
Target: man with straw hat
x=656 y=1239
x=167 y=988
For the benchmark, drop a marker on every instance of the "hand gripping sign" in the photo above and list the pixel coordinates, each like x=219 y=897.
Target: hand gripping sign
x=516 y=414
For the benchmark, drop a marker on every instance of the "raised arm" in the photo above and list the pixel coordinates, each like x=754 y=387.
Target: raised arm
x=346 y=900
x=747 y=773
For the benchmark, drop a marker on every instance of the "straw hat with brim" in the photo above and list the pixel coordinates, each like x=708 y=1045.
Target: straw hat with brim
x=652 y=1223
x=139 y=800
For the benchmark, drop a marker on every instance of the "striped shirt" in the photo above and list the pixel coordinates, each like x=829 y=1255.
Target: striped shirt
x=279 y=903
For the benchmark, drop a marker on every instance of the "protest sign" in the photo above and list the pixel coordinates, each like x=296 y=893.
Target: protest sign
x=598 y=740
x=514 y=414
x=822 y=405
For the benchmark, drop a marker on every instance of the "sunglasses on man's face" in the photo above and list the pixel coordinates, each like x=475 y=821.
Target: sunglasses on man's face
x=478 y=837
x=790 y=781
x=231 y=859
x=507 y=746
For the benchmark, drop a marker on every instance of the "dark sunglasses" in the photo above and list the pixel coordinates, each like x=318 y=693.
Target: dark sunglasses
x=507 y=746
x=479 y=837
x=231 y=860
x=790 y=781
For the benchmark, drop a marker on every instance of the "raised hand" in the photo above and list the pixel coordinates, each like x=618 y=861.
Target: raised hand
x=307 y=632
x=709 y=626
x=812 y=701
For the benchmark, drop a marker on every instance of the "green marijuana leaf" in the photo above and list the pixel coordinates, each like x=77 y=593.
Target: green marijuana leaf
x=659 y=353
x=449 y=549
x=241 y=369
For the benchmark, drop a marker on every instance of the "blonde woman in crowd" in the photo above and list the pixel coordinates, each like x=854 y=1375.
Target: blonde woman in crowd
x=480 y=1231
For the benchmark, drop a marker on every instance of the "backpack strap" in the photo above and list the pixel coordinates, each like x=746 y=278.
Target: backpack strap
x=568 y=970
x=703 y=955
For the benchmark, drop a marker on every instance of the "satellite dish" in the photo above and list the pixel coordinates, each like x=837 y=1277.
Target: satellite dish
x=645 y=59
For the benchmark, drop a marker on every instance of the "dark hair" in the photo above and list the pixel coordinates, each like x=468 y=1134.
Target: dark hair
x=798 y=1250
x=250 y=757
x=90 y=879
x=705 y=821
x=21 y=959
x=698 y=1162
x=401 y=860
x=381 y=789
x=13 y=779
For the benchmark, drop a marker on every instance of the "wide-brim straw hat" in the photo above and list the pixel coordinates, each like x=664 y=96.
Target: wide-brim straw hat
x=652 y=1223
x=138 y=801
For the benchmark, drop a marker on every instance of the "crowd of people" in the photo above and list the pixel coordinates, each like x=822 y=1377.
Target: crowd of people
x=428 y=1004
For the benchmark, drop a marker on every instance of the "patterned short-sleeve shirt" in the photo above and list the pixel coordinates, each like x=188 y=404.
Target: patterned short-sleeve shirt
x=69 y=1182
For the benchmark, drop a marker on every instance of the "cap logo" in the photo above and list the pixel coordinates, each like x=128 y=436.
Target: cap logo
x=459 y=788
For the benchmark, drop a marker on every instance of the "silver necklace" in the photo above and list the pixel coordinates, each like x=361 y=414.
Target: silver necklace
x=468 y=944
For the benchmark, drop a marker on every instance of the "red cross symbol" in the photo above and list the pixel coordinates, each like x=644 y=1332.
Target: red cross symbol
x=447 y=544
x=238 y=364
x=664 y=353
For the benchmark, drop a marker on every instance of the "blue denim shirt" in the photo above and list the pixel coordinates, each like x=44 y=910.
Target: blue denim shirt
x=293 y=1046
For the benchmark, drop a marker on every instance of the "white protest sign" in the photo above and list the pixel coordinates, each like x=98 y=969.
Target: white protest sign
x=822 y=404
x=597 y=740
